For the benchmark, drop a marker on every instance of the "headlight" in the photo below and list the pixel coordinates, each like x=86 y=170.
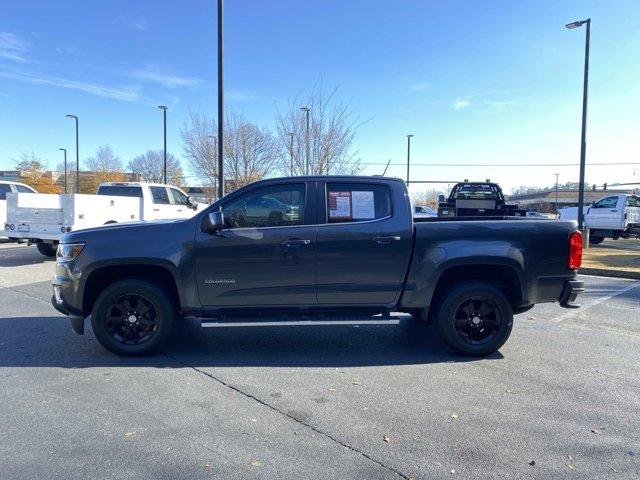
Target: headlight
x=69 y=251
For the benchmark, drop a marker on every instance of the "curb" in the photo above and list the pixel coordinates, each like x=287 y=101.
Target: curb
x=603 y=272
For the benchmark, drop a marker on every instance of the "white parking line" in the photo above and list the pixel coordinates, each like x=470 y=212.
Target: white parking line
x=561 y=318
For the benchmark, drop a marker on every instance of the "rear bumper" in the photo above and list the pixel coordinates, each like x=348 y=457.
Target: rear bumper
x=570 y=290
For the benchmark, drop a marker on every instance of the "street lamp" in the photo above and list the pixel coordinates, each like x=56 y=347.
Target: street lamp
x=409 y=137
x=65 y=168
x=291 y=151
x=583 y=143
x=164 y=169
x=220 y=106
x=75 y=117
x=307 y=110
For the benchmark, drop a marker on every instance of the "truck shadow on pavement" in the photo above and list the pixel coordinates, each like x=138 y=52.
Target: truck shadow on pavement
x=19 y=256
x=49 y=342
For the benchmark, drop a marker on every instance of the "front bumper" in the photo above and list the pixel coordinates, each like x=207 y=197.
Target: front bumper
x=63 y=288
x=570 y=290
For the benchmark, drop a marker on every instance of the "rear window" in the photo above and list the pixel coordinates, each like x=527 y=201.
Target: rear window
x=357 y=202
x=23 y=189
x=475 y=192
x=160 y=195
x=120 y=191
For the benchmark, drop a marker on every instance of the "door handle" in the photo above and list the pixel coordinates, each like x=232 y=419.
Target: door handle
x=614 y=211
x=295 y=241
x=156 y=209
x=385 y=240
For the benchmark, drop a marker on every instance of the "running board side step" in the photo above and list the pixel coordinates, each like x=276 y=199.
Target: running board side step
x=221 y=322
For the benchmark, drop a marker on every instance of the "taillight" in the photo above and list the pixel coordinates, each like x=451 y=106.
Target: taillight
x=575 y=251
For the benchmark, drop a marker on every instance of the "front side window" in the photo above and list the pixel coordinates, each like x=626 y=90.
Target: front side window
x=275 y=206
x=160 y=195
x=4 y=189
x=23 y=189
x=357 y=202
x=179 y=198
x=608 y=202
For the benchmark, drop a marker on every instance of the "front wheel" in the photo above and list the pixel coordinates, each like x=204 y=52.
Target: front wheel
x=595 y=240
x=47 y=249
x=133 y=318
x=475 y=319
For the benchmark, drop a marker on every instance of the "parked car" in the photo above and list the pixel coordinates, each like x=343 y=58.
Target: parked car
x=6 y=188
x=477 y=199
x=354 y=254
x=421 y=211
x=614 y=216
x=43 y=219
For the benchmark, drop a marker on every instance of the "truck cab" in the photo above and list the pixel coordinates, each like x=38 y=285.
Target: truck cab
x=477 y=199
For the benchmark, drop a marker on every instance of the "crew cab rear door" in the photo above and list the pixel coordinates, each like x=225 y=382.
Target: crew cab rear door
x=365 y=232
x=264 y=256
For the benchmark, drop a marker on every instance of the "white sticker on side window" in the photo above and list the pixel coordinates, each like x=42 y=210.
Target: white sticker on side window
x=363 y=205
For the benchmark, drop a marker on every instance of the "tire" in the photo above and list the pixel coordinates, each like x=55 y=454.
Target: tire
x=485 y=319
x=595 y=240
x=145 y=318
x=47 y=249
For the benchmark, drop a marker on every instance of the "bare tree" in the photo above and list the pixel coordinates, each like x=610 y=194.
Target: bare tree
x=250 y=152
x=104 y=161
x=150 y=166
x=427 y=198
x=332 y=129
x=30 y=162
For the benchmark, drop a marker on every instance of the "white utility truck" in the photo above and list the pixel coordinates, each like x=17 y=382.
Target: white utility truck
x=10 y=187
x=615 y=216
x=43 y=219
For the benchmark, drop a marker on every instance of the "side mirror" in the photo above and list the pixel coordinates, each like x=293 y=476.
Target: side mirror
x=213 y=223
x=191 y=203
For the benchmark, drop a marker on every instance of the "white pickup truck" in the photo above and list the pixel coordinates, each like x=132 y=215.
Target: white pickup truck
x=43 y=219
x=10 y=187
x=614 y=216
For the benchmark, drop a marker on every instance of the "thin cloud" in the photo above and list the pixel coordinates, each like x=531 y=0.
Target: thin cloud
x=462 y=102
x=168 y=80
x=13 y=47
x=136 y=23
x=241 y=95
x=418 y=86
x=125 y=94
x=499 y=104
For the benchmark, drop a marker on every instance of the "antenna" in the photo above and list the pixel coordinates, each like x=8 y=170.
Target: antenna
x=385 y=168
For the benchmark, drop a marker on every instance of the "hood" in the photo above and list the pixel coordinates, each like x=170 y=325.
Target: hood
x=125 y=229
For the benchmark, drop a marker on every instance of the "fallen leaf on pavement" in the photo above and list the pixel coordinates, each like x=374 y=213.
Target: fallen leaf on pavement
x=512 y=391
x=128 y=434
x=455 y=415
x=614 y=470
x=452 y=471
x=386 y=439
x=256 y=463
x=332 y=389
x=570 y=458
x=569 y=466
x=206 y=465
x=595 y=430
x=355 y=383
x=532 y=463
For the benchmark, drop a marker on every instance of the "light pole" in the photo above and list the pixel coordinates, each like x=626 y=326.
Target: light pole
x=557 y=175
x=65 y=168
x=164 y=167
x=583 y=143
x=307 y=110
x=409 y=137
x=220 y=106
x=291 y=151
x=75 y=117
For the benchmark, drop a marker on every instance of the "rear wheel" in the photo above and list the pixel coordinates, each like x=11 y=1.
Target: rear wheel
x=133 y=318
x=595 y=240
x=475 y=319
x=47 y=249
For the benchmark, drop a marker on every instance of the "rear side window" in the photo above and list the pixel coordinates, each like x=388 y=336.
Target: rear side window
x=357 y=202
x=120 y=191
x=633 y=202
x=160 y=195
x=4 y=189
x=23 y=189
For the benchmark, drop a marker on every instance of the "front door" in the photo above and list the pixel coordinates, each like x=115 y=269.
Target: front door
x=161 y=207
x=606 y=213
x=266 y=253
x=364 y=243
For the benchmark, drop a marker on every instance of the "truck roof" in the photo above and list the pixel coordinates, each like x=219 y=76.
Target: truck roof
x=134 y=184
x=333 y=177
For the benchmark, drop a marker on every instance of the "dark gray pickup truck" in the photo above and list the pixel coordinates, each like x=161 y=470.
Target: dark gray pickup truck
x=314 y=251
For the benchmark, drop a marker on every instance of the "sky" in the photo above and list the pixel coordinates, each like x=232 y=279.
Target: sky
x=476 y=82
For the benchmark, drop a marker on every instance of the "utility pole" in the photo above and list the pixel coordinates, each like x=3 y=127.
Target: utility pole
x=164 y=168
x=306 y=135
x=220 y=107
x=65 y=168
x=409 y=137
x=75 y=117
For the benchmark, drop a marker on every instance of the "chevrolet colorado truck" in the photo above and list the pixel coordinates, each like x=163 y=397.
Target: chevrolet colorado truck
x=319 y=250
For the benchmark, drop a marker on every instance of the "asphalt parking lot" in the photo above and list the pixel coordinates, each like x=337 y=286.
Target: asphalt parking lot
x=561 y=400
